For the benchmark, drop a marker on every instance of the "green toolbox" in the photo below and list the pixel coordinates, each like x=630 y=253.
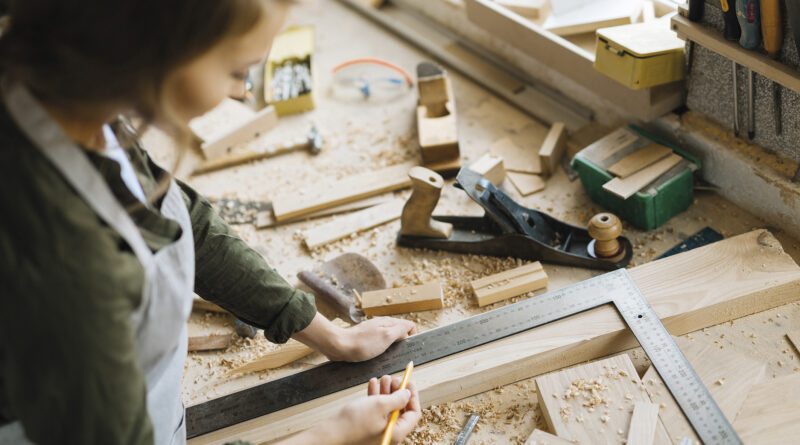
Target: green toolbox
x=656 y=201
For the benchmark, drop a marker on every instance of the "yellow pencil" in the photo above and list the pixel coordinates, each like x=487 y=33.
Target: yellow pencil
x=387 y=433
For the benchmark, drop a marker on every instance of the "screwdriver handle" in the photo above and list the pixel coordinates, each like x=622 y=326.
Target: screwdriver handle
x=696 y=10
x=732 y=30
x=747 y=12
x=771 y=26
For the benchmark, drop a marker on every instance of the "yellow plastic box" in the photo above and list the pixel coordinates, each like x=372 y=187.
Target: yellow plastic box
x=292 y=47
x=640 y=55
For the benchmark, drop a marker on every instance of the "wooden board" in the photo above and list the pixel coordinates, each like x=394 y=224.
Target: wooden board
x=283 y=355
x=510 y=283
x=553 y=148
x=526 y=183
x=539 y=437
x=209 y=342
x=643 y=424
x=727 y=374
x=346 y=190
x=639 y=159
x=771 y=413
x=259 y=124
x=401 y=300
x=267 y=219
x=353 y=223
x=592 y=403
x=594 y=15
x=490 y=167
x=723 y=281
x=794 y=337
x=516 y=158
x=531 y=9
x=625 y=188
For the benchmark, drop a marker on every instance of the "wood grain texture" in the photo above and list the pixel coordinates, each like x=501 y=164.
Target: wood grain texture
x=771 y=413
x=592 y=403
x=283 y=355
x=553 y=148
x=504 y=285
x=526 y=183
x=490 y=167
x=643 y=424
x=347 y=190
x=639 y=159
x=727 y=374
x=625 y=188
x=209 y=342
x=723 y=281
x=353 y=223
x=402 y=300
x=539 y=437
x=516 y=158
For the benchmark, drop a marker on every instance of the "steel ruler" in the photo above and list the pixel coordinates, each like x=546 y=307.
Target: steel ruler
x=617 y=288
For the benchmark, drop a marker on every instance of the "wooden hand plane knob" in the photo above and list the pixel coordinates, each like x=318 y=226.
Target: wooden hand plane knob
x=416 y=218
x=605 y=228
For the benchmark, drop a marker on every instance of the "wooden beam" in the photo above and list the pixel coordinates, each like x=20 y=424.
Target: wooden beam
x=639 y=159
x=553 y=148
x=401 y=300
x=706 y=286
x=643 y=424
x=526 y=183
x=510 y=283
x=353 y=223
x=592 y=403
x=625 y=188
x=198 y=304
x=771 y=413
x=350 y=189
x=266 y=219
x=539 y=437
x=283 y=355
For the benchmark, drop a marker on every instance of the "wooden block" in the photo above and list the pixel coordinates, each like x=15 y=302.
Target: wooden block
x=209 y=342
x=625 y=188
x=353 y=223
x=490 y=167
x=446 y=168
x=592 y=403
x=510 y=283
x=643 y=424
x=722 y=281
x=794 y=337
x=531 y=9
x=401 y=300
x=593 y=16
x=267 y=219
x=526 y=183
x=262 y=122
x=346 y=190
x=639 y=159
x=283 y=355
x=515 y=158
x=437 y=128
x=539 y=437
x=553 y=148
x=771 y=413
x=727 y=374
x=198 y=304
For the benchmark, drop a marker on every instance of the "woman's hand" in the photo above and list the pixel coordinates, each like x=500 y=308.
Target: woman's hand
x=358 y=343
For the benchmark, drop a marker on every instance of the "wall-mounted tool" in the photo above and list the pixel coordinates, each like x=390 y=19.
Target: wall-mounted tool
x=732 y=32
x=793 y=11
x=696 y=8
x=747 y=12
x=509 y=229
x=772 y=32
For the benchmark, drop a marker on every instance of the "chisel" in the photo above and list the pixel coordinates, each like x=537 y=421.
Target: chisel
x=793 y=11
x=747 y=13
x=732 y=32
x=772 y=33
x=695 y=14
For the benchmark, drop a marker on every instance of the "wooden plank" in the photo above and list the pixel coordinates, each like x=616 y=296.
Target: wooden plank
x=723 y=281
x=346 y=190
x=727 y=374
x=262 y=122
x=516 y=158
x=287 y=353
x=593 y=16
x=490 y=167
x=539 y=437
x=209 y=342
x=592 y=403
x=760 y=63
x=353 y=223
x=771 y=412
x=643 y=424
x=267 y=219
x=639 y=159
x=531 y=9
x=553 y=148
x=401 y=300
x=526 y=183
x=510 y=283
x=626 y=187
x=205 y=305
x=794 y=337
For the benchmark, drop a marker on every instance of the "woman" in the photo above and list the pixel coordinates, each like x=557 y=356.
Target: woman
x=100 y=248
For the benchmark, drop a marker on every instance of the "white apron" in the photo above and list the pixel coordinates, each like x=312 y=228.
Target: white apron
x=160 y=321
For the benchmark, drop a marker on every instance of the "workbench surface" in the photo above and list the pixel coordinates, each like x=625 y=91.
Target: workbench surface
x=360 y=136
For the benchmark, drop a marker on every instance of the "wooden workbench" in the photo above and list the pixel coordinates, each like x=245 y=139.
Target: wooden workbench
x=360 y=136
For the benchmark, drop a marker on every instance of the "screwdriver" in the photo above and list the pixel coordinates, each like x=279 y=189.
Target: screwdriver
x=732 y=32
x=696 y=8
x=772 y=31
x=747 y=13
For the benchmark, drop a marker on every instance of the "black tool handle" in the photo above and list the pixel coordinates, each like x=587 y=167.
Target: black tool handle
x=696 y=10
x=732 y=30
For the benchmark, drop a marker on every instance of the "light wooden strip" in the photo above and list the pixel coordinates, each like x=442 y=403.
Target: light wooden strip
x=794 y=337
x=510 y=283
x=625 y=188
x=553 y=148
x=401 y=300
x=639 y=159
x=771 y=413
x=490 y=167
x=526 y=183
x=353 y=223
x=266 y=219
x=592 y=403
x=539 y=437
x=209 y=342
x=643 y=424
x=283 y=355
x=347 y=190
x=261 y=123
x=706 y=286
x=205 y=305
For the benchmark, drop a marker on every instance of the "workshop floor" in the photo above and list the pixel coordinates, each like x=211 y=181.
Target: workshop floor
x=361 y=136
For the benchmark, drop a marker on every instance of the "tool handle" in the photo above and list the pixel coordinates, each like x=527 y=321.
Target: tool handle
x=772 y=26
x=747 y=13
x=696 y=10
x=732 y=30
